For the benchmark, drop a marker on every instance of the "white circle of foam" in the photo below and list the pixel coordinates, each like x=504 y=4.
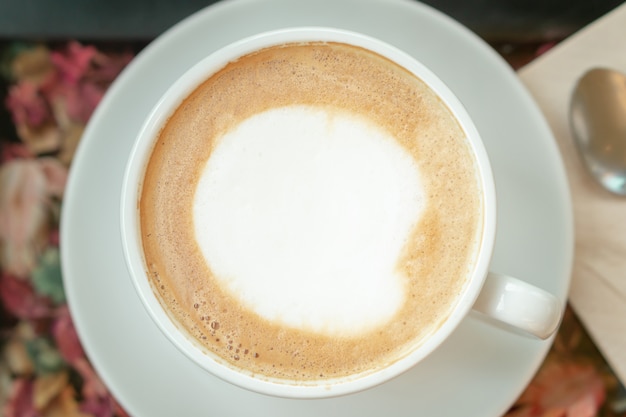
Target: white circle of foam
x=302 y=214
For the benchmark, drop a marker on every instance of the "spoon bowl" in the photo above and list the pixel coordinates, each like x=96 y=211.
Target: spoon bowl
x=598 y=123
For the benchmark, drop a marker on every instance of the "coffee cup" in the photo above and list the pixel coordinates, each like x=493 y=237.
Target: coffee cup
x=310 y=212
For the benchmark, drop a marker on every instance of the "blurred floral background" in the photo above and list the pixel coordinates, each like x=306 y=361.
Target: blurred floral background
x=47 y=95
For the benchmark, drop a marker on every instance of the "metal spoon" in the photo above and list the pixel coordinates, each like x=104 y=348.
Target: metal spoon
x=598 y=122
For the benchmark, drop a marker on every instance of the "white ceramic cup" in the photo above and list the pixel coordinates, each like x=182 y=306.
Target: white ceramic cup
x=519 y=305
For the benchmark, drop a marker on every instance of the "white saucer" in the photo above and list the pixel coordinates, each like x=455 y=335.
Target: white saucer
x=478 y=372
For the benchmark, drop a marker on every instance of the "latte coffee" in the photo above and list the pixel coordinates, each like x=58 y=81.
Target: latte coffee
x=311 y=211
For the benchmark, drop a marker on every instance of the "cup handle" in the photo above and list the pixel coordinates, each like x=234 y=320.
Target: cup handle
x=519 y=304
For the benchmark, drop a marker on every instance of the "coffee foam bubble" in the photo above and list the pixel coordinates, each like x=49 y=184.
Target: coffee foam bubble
x=288 y=215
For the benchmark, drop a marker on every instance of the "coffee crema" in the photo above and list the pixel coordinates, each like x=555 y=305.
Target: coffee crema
x=311 y=211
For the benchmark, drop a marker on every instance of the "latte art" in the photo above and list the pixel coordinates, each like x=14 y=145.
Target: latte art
x=319 y=204
x=310 y=211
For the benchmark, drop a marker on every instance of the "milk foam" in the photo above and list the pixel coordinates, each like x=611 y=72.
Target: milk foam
x=302 y=213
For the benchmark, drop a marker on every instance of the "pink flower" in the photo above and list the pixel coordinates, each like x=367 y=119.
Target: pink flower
x=107 y=67
x=93 y=387
x=19 y=299
x=48 y=395
x=74 y=63
x=99 y=407
x=52 y=103
x=73 y=93
x=55 y=175
x=562 y=389
x=53 y=237
x=20 y=403
x=79 y=101
x=14 y=151
x=97 y=400
x=82 y=76
x=27 y=105
x=66 y=338
x=27 y=186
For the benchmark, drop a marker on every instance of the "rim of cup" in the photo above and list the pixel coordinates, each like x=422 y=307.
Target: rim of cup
x=131 y=240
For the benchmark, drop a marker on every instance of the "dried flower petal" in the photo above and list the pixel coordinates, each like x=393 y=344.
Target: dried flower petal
x=45 y=356
x=93 y=387
x=71 y=137
x=66 y=338
x=27 y=105
x=32 y=65
x=107 y=67
x=6 y=382
x=26 y=186
x=64 y=405
x=53 y=238
x=56 y=176
x=46 y=277
x=119 y=411
x=47 y=387
x=40 y=139
x=20 y=402
x=523 y=411
x=12 y=151
x=99 y=407
x=562 y=389
x=17 y=357
x=82 y=101
x=19 y=299
x=73 y=63
x=22 y=215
